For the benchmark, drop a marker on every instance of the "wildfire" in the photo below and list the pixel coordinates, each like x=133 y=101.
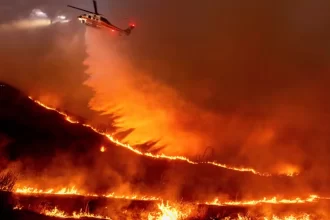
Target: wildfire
x=274 y=200
x=132 y=197
x=156 y=156
x=215 y=202
x=102 y=149
x=62 y=191
x=290 y=217
x=73 y=191
x=241 y=169
x=168 y=212
x=61 y=214
x=274 y=217
x=18 y=207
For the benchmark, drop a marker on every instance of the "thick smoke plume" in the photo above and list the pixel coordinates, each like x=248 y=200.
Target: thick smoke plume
x=247 y=80
x=45 y=61
x=152 y=108
x=37 y=19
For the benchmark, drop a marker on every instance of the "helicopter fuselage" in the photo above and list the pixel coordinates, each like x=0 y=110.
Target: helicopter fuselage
x=97 y=21
x=94 y=19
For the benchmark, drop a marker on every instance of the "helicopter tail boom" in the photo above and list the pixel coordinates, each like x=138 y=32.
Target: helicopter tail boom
x=129 y=29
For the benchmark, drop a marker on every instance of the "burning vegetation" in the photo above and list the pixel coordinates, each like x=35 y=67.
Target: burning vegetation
x=102 y=177
x=169 y=127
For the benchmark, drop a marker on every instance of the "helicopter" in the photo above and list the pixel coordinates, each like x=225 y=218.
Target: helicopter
x=94 y=19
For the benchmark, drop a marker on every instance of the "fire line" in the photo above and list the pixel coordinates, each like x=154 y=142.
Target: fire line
x=73 y=191
x=216 y=202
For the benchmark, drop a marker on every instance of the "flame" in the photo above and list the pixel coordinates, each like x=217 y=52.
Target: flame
x=242 y=169
x=286 y=169
x=62 y=191
x=175 y=211
x=156 y=156
x=56 y=213
x=215 y=202
x=274 y=200
x=168 y=212
x=274 y=217
x=290 y=217
x=102 y=149
x=132 y=197
x=18 y=207
x=61 y=214
x=74 y=191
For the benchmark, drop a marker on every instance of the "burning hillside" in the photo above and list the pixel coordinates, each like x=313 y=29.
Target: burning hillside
x=60 y=159
x=227 y=121
x=35 y=130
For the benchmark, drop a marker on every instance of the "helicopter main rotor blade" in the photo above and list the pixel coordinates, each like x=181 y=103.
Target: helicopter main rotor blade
x=95 y=7
x=81 y=9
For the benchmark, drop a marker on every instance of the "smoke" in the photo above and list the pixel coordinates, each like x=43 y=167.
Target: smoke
x=42 y=55
x=150 y=107
x=248 y=82
x=37 y=19
x=159 y=112
x=25 y=24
